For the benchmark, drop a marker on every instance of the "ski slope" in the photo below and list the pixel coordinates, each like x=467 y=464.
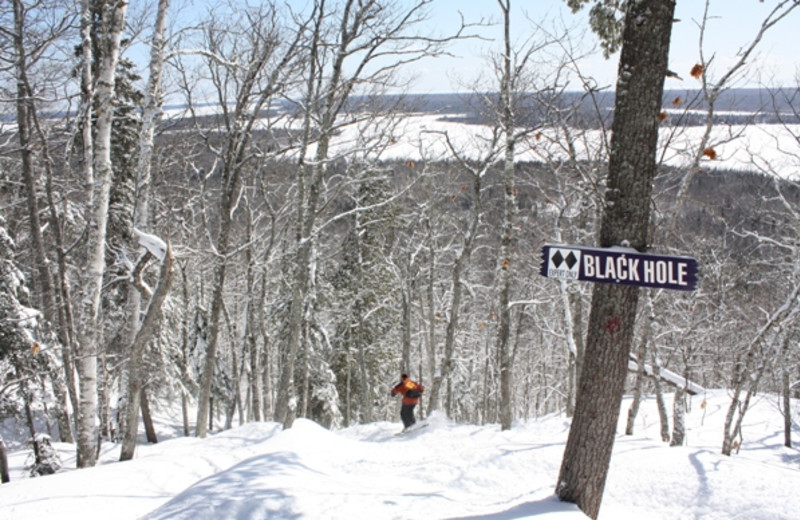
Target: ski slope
x=444 y=471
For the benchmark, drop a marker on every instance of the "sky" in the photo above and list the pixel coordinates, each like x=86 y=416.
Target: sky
x=732 y=24
x=444 y=471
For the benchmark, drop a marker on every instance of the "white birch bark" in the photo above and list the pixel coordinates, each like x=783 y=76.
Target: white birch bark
x=150 y=114
x=90 y=325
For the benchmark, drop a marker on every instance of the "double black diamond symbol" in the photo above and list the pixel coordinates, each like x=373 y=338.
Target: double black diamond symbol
x=559 y=259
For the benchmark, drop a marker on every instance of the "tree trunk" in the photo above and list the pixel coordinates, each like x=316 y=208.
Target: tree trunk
x=4 y=476
x=506 y=264
x=286 y=403
x=678 y=418
x=462 y=261
x=136 y=376
x=430 y=297
x=26 y=124
x=787 y=407
x=89 y=334
x=573 y=319
x=407 y=294
x=641 y=359
x=141 y=214
x=250 y=341
x=184 y=359
x=663 y=416
x=207 y=375
x=632 y=167
x=147 y=418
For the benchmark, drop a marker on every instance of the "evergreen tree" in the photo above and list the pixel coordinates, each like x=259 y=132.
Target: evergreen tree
x=25 y=350
x=364 y=344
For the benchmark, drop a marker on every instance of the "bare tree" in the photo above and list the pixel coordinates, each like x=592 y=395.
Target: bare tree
x=352 y=47
x=243 y=91
x=34 y=35
x=150 y=113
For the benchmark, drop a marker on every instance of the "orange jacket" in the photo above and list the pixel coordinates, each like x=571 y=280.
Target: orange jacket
x=407 y=386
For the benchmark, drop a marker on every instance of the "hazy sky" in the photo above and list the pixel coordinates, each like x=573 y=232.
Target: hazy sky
x=732 y=24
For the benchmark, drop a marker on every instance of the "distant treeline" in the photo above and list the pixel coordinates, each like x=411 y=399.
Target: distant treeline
x=685 y=107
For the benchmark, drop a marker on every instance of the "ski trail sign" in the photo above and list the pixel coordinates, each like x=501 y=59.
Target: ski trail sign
x=618 y=265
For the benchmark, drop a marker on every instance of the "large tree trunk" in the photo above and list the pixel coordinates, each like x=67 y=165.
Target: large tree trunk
x=89 y=335
x=632 y=167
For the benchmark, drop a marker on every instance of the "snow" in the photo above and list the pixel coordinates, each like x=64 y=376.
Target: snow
x=444 y=471
x=764 y=148
x=669 y=376
x=156 y=246
x=770 y=149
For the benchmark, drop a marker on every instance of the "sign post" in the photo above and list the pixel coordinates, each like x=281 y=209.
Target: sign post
x=619 y=265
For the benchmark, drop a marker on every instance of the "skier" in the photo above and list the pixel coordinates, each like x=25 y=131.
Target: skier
x=411 y=392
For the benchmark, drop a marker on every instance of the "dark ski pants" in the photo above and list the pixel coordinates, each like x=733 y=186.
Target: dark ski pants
x=407 y=414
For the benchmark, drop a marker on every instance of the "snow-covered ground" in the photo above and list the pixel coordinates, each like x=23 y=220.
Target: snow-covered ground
x=443 y=471
x=771 y=149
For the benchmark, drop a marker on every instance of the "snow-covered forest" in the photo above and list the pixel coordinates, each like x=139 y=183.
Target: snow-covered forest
x=249 y=223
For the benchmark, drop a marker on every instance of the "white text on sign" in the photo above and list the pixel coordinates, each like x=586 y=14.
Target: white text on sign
x=622 y=268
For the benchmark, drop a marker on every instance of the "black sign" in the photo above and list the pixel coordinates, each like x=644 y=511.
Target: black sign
x=619 y=265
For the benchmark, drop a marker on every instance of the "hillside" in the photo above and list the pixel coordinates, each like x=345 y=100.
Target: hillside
x=444 y=471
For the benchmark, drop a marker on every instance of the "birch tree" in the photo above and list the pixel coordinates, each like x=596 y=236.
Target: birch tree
x=98 y=172
x=150 y=114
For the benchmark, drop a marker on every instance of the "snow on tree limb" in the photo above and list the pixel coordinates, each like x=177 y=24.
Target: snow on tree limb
x=668 y=376
x=152 y=243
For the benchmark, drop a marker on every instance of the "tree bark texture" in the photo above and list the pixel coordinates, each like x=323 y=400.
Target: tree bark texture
x=97 y=220
x=679 y=418
x=632 y=167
